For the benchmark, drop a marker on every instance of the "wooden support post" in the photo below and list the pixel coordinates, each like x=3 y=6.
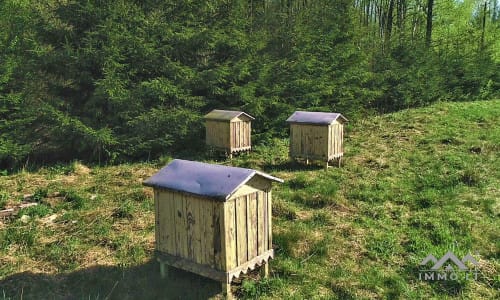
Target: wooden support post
x=307 y=161
x=163 y=270
x=230 y=155
x=326 y=166
x=226 y=289
x=264 y=270
x=340 y=159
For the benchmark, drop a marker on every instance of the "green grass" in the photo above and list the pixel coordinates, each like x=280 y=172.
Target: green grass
x=414 y=182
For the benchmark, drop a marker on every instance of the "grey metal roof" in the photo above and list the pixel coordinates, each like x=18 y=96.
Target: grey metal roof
x=207 y=180
x=310 y=117
x=228 y=115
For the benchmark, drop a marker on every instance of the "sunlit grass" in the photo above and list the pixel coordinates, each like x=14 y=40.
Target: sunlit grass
x=413 y=183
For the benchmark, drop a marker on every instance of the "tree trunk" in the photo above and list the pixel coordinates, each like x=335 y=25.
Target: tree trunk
x=484 y=24
x=401 y=15
x=388 y=31
x=428 y=32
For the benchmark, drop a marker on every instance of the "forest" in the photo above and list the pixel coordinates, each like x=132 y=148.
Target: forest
x=114 y=81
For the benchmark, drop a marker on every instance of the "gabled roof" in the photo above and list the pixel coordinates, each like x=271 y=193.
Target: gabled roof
x=226 y=115
x=310 y=117
x=202 y=179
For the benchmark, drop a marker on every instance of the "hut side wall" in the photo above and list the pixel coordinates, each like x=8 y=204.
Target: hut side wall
x=309 y=141
x=218 y=134
x=189 y=227
x=240 y=135
x=336 y=145
x=247 y=227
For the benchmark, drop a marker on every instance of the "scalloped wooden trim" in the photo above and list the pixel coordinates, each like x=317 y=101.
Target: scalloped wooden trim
x=207 y=271
x=250 y=265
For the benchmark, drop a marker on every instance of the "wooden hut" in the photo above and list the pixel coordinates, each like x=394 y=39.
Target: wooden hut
x=317 y=136
x=228 y=131
x=212 y=220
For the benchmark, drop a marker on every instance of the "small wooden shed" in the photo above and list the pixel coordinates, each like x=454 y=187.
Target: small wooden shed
x=212 y=220
x=229 y=131
x=317 y=136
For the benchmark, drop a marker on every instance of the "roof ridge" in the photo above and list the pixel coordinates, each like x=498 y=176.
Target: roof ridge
x=203 y=179
x=221 y=114
x=315 y=117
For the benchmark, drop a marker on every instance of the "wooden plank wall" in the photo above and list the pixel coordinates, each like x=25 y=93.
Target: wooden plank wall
x=309 y=141
x=247 y=227
x=222 y=235
x=342 y=139
x=217 y=134
x=157 y=219
x=240 y=135
x=336 y=146
x=189 y=227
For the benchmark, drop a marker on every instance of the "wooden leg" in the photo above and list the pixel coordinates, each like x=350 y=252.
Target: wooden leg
x=163 y=270
x=307 y=161
x=230 y=155
x=340 y=160
x=326 y=166
x=264 y=270
x=226 y=289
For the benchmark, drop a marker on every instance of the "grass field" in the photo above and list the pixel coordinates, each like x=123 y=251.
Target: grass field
x=415 y=182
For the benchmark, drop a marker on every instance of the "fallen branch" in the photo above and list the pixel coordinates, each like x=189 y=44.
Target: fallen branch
x=13 y=211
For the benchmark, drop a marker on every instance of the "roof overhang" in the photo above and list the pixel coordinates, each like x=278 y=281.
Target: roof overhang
x=315 y=118
x=203 y=179
x=226 y=115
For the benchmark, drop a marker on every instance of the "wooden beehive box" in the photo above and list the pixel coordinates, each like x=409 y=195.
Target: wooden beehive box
x=229 y=131
x=317 y=136
x=212 y=220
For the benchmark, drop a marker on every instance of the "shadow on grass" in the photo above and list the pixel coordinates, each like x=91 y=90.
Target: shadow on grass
x=110 y=282
x=292 y=165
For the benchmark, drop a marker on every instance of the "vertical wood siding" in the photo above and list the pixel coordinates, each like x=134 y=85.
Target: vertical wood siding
x=240 y=135
x=218 y=134
x=157 y=219
x=230 y=234
x=316 y=142
x=222 y=235
x=189 y=227
x=336 y=147
x=309 y=141
x=247 y=231
x=232 y=136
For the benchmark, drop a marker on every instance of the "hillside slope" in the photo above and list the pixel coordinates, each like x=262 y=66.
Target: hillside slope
x=417 y=182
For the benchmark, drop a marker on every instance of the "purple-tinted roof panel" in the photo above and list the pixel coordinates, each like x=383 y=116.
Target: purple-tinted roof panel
x=208 y=180
x=310 y=117
x=218 y=114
